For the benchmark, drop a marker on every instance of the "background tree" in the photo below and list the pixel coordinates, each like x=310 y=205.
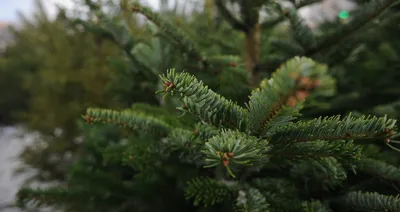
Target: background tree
x=60 y=70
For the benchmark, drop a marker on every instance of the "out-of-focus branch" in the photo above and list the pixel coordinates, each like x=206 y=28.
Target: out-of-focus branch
x=234 y=22
x=378 y=7
x=272 y=22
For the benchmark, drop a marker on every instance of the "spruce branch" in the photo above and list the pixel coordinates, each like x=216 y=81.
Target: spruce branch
x=278 y=101
x=334 y=128
x=274 y=21
x=370 y=201
x=279 y=193
x=233 y=147
x=52 y=196
x=177 y=34
x=205 y=131
x=313 y=206
x=366 y=14
x=136 y=121
x=200 y=100
x=181 y=139
x=379 y=169
x=251 y=200
x=232 y=20
x=207 y=191
x=280 y=186
x=303 y=3
x=288 y=47
x=346 y=152
x=120 y=36
x=327 y=172
x=226 y=61
x=176 y=138
x=301 y=32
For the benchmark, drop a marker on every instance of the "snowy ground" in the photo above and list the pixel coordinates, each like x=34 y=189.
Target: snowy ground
x=12 y=142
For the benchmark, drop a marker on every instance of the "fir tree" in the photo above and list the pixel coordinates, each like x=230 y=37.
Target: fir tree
x=252 y=158
x=55 y=71
x=255 y=156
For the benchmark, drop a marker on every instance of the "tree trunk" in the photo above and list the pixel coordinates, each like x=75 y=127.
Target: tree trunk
x=252 y=52
x=209 y=8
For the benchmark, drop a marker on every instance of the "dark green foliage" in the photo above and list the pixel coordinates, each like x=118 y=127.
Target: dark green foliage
x=251 y=201
x=207 y=191
x=202 y=101
x=332 y=128
x=379 y=169
x=315 y=206
x=250 y=155
x=244 y=154
x=372 y=201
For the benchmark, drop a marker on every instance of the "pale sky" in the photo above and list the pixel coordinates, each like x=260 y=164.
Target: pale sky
x=8 y=8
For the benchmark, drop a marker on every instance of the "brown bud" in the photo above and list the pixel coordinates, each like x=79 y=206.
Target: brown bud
x=301 y=95
x=232 y=64
x=196 y=132
x=295 y=75
x=292 y=101
x=168 y=83
x=230 y=154
x=306 y=82
x=317 y=83
x=225 y=162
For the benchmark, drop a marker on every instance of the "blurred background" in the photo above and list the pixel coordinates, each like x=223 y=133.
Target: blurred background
x=51 y=71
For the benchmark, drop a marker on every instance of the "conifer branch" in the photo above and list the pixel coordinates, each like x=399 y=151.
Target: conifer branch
x=233 y=147
x=272 y=22
x=280 y=193
x=136 y=121
x=280 y=186
x=205 y=131
x=279 y=99
x=51 y=196
x=367 y=13
x=301 y=32
x=370 y=201
x=344 y=151
x=304 y=3
x=177 y=138
x=177 y=34
x=207 y=191
x=333 y=128
x=234 y=22
x=288 y=47
x=379 y=169
x=200 y=100
x=314 y=205
x=125 y=44
x=251 y=200
x=181 y=139
x=327 y=172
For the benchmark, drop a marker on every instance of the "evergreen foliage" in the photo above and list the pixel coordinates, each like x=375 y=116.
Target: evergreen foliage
x=232 y=157
x=250 y=155
x=53 y=70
